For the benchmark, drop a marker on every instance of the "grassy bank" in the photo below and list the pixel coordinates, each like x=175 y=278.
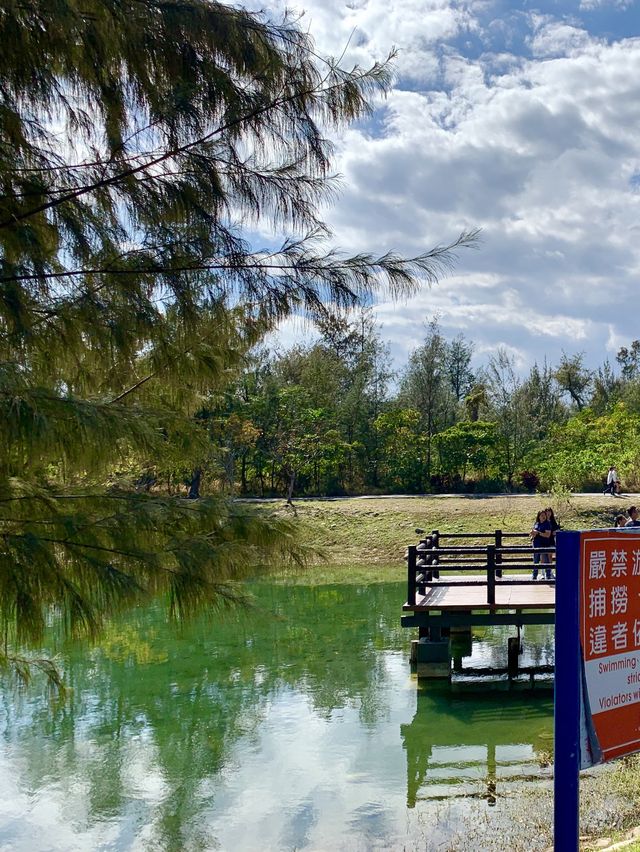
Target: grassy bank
x=365 y=538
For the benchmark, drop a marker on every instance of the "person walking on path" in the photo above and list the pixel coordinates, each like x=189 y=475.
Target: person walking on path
x=541 y=534
x=613 y=482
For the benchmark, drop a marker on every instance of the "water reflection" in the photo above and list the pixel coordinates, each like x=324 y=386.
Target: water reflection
x=297 y=725
x=476 y=744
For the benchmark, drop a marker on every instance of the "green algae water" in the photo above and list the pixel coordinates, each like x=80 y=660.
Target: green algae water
x=297 y=725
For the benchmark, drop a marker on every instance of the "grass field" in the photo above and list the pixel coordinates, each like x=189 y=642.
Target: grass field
x=365 y=538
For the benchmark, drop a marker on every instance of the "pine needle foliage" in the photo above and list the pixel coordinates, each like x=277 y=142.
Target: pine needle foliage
x=139 y=140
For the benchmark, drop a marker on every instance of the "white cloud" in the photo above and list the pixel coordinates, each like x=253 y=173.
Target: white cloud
x=366 y=31
x=615 y=341
x=552 y=38
x=603 y=4
x=526 y=127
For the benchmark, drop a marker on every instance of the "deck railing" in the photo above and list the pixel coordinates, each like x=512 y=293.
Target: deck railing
x=427 y=559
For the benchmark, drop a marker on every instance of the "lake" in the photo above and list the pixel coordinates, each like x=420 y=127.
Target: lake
x=297 y=725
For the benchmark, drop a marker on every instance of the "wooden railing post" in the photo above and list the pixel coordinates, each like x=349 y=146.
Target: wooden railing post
x=411 y=574
x=423 y=560
x=491 y=574
x=435 y=543
x=498 y=539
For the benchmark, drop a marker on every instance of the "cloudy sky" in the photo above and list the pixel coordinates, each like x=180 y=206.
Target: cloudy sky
x=522 y=119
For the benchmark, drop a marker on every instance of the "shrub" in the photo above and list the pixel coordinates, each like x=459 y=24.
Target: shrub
x=530 y=479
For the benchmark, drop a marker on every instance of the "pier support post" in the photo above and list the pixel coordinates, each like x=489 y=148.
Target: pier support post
x=513 y=652
x=433 y=658
x=461 y=643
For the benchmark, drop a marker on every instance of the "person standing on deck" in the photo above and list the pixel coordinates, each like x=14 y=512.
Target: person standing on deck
x=633 y=517
x=555 y=526
x=540 y=535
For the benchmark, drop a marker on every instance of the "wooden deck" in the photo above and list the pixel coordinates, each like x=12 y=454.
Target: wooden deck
x=511 y=593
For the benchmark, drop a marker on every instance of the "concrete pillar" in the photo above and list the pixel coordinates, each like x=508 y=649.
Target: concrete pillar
x=513 y=652
x=433 y=658
x=461 y=643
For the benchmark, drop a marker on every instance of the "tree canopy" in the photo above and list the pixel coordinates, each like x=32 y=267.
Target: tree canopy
x=140 y=141
x=346 y=427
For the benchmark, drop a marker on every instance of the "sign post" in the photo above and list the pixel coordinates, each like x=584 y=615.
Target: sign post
x=597 y=653
x=566 y=705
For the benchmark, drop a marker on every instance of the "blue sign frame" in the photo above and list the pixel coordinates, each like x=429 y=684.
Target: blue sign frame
x=567 y=695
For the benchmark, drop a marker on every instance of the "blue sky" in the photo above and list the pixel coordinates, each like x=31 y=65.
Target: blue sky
x=522 y=119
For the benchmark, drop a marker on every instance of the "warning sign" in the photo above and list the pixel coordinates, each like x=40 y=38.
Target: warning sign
x=610 y=637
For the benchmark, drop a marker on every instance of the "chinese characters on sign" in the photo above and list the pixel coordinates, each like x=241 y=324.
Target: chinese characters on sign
x=610 y=635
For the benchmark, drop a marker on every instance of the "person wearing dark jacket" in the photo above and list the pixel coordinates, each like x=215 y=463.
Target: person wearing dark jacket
x=540 y=535
x=555 y=526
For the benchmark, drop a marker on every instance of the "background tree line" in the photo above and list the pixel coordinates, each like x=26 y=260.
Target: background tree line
x=331 y=417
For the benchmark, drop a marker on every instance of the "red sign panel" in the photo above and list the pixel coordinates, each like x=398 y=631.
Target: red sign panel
x=610 y=635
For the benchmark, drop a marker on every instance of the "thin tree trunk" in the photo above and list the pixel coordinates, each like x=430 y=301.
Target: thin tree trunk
x=292 y=482
x=243 y=474
x=194 y=487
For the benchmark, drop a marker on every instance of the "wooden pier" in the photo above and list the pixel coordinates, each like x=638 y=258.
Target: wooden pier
x=447 y=595
x=453 y=587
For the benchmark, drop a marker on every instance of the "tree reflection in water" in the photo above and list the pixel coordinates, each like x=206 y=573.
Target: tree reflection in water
x=154 y=712
x=164 y=730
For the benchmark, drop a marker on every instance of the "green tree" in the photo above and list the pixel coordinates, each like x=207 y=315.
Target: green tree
x=425 y=388
x=465 y=447
x=344 y=374
x=577 y=454
x=458 y=366
x=542 y=400
x=305 y=440
x=510 y=411
x=255 y=397
x=476 y=401
x=134 y=134
x=364 y=375
x=607 y=389
x=403 y=447
x=629 y=360
x=573 y=378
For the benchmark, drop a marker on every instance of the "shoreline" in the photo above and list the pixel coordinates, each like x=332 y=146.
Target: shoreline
x=375 y=531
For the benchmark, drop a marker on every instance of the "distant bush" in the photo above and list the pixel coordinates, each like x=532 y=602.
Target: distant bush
x=530 y=479
x=489 y=485
x=436 y=482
